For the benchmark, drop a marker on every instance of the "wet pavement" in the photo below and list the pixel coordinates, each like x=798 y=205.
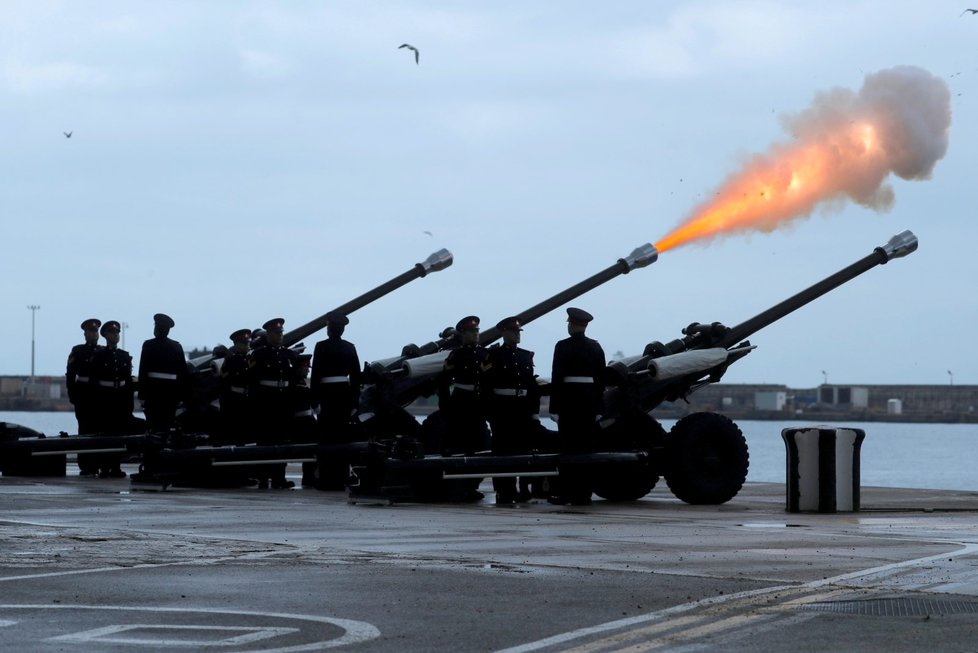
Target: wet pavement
x=96 y=565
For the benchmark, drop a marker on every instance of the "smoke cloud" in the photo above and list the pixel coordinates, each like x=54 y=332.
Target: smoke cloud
x=846 y=144
x=910 y=110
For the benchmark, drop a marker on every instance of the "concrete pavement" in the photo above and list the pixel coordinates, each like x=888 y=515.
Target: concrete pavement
x=93 y=565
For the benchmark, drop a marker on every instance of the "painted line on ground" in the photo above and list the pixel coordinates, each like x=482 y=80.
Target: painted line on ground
x=966 y=549
x=355 y=632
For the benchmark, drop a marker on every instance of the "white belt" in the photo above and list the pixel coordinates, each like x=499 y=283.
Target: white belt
x=238 y=389
x=335 y=379
x=511 y=392
x=161 y=375
x=304 y=413
x=274 y=384
x=111 y=384
x=465 y=386
x=81 y=379
x=578 y=379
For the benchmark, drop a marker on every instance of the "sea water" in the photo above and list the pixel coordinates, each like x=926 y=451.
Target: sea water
x=936 y=456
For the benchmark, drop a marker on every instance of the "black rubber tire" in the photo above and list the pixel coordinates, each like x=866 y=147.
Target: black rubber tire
x=633 y=481
x=707 y=459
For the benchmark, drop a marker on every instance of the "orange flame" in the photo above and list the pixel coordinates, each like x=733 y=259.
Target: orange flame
x=788 y=183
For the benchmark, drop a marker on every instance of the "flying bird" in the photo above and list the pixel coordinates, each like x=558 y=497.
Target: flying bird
x=417 y=54
x=972 y=11
x=430 y=234
x=68 y=134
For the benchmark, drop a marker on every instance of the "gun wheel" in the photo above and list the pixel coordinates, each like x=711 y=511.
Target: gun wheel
x=707 y=459
x=633 y=481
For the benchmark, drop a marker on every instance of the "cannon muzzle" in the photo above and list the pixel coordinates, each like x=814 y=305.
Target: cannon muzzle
x=899 y=246
x=437 y=261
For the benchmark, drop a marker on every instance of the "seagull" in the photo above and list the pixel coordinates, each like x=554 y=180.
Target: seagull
x=973 y=12
x=430 y=234
x=417 y=54
x=68 y=134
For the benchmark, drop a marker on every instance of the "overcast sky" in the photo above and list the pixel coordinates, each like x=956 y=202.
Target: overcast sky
x=235 y=161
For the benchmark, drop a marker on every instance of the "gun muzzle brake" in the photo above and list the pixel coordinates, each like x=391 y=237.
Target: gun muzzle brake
x=640 y=257
x=437 y=261
x=900 y=245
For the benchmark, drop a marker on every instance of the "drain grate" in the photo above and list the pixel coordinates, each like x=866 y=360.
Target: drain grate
x=903 y=606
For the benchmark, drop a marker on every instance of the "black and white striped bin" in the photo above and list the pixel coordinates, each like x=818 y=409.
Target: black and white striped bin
x=823 y=468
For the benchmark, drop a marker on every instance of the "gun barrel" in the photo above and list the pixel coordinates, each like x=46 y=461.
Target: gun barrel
x=899 y=246
x=641 y=257
x=437 y=261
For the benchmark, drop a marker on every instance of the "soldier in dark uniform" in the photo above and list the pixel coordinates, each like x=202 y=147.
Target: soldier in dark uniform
x=577 y=400
x=236 y=424
x=273 y=370
x=164 y=380
x=336 y=389
x=460 y=395
x=78 y=381
x=514 y=403
x=112 y=395
x=336 y=380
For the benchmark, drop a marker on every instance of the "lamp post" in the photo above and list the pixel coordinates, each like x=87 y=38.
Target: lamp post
x=33 y=308
x=951 y=374
x=825 y=378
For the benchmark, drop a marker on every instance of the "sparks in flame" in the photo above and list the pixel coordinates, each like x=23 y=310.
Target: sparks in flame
x=846 y=145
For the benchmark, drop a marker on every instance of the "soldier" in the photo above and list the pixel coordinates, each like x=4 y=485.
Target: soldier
x=460 y=397
x=336 y=381
x=336 y=390
x=77 y=379
x=272 y=371
x=111 y=382
x=514 y=403
x=236 y=425
x=164 y=380
x=577 y=400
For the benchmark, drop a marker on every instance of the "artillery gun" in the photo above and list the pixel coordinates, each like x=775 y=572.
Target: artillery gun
x=704 y=458
x=24 y=452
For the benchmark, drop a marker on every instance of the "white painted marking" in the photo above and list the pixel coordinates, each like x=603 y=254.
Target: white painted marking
x=354 y=631
x=965 y=550
x=6 y=622
x=108 y=635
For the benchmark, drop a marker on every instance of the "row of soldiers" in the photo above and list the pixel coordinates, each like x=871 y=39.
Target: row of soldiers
x=498 y=385
x=266 y=396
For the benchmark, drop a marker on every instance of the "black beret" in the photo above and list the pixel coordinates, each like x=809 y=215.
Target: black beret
x=110 y=326
x=163 y=320
x=337 y=318
x=466 y=323
x=240 y=334
x=577 y=316
x=91 y=324
x=275 y=325
x=509 y=324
